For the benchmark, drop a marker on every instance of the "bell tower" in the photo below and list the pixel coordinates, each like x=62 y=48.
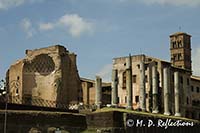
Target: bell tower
x=180 y=49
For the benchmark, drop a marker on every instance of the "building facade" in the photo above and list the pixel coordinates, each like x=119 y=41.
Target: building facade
x=158 y=85
x=180 y=49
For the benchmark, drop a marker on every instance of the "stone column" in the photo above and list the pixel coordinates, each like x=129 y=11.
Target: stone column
x=176 y=93
x=150 y=97
x=142 y=87
x=98 y=98
x=129 y=83
x=114 y=87
x=155 y=89
x=166 y=90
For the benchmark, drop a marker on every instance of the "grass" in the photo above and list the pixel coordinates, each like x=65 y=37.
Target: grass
x=89 y=131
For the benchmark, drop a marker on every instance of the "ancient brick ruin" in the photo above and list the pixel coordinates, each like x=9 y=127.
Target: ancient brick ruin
x=46 y=74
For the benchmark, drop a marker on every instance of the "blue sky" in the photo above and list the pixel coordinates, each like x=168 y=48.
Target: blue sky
x=96 y=30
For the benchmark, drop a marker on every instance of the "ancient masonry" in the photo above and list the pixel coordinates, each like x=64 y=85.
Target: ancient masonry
x=46 y=74
x=98 y=87
x=89 y=89
x=138 y=82
x=128 y=83
x=154 y=85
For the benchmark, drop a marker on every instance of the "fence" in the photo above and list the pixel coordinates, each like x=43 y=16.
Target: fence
x=45 y=103
x=35 y=102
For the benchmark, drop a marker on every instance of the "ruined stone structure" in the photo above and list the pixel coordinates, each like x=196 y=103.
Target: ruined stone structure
x=98 y=94
x=129 y=83
x=45 y=74
x=160 y=86
x=114 y=96
x=89 y=92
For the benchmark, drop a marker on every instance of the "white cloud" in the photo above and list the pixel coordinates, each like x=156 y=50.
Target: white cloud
x=196 y=62
x=5 y=4
x=32 y=1
x=46 y=26
x=27 y=27
x=76 y=24
x=106 y=72
x=173 y=2
x=72 y=23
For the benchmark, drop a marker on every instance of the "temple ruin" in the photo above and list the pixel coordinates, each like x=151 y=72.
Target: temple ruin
x=46 y=76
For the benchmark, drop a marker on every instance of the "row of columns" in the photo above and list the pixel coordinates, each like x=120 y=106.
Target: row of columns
x=98 y=87
x=166 y=80
x=142 y=99
x=166 y=91
x=166 y=75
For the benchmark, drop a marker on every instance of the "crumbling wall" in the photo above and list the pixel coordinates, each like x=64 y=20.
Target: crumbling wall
x=70 y=78
x=38 y=78
x=75 y=82
x=14 y=79
x=48 y=75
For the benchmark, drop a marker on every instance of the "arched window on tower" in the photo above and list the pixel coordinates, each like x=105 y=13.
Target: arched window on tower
x=174 y=44
x=180 y=44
